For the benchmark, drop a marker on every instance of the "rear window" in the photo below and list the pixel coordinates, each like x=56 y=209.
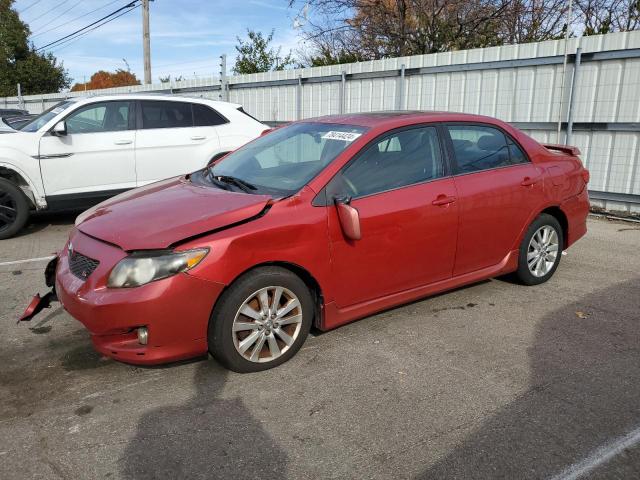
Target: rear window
x=204 y=116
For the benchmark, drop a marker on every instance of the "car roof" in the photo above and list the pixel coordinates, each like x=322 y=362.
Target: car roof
x=153 y=96
x=394 y=118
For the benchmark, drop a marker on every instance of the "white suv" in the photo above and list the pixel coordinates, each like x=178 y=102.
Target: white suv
x=85 y=150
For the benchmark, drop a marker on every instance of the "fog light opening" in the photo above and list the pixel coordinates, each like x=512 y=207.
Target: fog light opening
x=143 y=335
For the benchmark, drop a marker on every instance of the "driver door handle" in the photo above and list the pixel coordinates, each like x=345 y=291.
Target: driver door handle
x=198 y=137
x=123 y=142
x=442 y=200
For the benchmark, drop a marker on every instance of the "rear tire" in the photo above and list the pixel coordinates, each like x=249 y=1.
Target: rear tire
x=540 y=250
x=261 y=320
x=14 y=209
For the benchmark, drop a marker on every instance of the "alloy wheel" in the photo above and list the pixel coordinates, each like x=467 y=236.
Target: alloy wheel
x=267 y=324
x=8 y=210
x=543 y=251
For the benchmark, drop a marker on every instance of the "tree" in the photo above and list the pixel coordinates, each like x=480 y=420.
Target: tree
x=533 y=21
x=604 y=16
x=324 y=55
x=104 y=79
x=334 y=30
x=255 y=55
x=391 y=28
x=21 y=63
x=167 y=79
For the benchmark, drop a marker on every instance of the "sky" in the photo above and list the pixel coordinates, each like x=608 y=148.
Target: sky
x=187 y=36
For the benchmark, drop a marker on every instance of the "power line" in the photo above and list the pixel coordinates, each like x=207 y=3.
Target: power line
x=59 y=15
x=129 y=5
x=47 y=11
x=64 y=44
x=38 y=33
x=32 y=5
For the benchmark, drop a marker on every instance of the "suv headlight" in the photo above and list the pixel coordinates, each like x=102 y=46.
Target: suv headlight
x=144 y=267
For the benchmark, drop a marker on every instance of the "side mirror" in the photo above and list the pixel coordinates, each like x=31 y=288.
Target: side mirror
x=59 y=129
x=349 y=218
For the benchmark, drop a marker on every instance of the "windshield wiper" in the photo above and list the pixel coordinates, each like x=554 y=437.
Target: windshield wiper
x=238 y=182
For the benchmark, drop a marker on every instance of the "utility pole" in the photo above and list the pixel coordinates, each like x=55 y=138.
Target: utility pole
x=146 y=41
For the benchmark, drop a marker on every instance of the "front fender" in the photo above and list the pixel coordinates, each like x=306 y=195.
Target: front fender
x=29 y=170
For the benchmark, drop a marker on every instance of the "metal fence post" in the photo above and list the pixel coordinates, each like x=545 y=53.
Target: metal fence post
x=574 y=82
x=400 y=98
x=343 y=85
x=20 y=102
x=299 y=98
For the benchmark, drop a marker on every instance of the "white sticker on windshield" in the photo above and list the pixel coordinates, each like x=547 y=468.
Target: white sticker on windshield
x=345 y=136
x=57 y=110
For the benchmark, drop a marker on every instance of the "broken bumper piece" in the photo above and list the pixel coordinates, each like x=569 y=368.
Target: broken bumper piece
x=39 y=303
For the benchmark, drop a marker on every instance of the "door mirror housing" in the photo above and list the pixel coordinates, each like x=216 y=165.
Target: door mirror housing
x=59 y=129
x=349 y=218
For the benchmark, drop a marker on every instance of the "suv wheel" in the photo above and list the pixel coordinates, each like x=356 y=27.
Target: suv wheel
x=14 y=209
x=261 y=320
x=540 y=250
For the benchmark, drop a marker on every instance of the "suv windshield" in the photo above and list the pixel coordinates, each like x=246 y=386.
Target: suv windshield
x=284 y=160
x=38 y=122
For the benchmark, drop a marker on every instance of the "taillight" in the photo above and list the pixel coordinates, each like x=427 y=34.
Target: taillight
x=585 y=175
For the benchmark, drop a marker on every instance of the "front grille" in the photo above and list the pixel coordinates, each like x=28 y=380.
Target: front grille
x=82 y=266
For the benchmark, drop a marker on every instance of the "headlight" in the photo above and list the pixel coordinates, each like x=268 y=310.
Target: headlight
x=144 y=267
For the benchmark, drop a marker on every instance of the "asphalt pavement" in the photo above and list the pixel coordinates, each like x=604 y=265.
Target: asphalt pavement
x=495 y=380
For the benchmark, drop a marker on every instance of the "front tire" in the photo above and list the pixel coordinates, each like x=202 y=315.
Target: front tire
x=261 y=320
x=14 y=209
x=540 y=250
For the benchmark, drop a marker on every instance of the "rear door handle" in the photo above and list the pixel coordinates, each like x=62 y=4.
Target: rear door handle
x=528 y=181
x=123 y=142
x=443 y=200
x=198 y=137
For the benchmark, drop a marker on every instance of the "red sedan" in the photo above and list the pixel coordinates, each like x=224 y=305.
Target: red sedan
x=317 y=223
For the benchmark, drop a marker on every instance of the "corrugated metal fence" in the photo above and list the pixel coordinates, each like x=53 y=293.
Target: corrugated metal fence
x=597 y=97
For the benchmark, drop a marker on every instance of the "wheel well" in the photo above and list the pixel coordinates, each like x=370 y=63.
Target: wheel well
x=18 y=180
x=311 y=283
x=562 y=219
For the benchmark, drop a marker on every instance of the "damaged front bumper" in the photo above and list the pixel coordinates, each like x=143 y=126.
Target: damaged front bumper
x=39 y=303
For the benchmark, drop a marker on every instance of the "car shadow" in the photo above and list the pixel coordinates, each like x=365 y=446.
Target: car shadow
x=40 y=221
x=583 y=392
x=207 y=437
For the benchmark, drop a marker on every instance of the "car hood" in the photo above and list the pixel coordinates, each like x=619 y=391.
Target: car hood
x=164 y=213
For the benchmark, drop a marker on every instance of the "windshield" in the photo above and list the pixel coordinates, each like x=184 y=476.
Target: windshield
x=283 y=161
x=41 y=120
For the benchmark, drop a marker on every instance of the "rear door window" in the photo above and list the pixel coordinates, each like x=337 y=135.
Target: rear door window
x=161 y=114
x=479 y=147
